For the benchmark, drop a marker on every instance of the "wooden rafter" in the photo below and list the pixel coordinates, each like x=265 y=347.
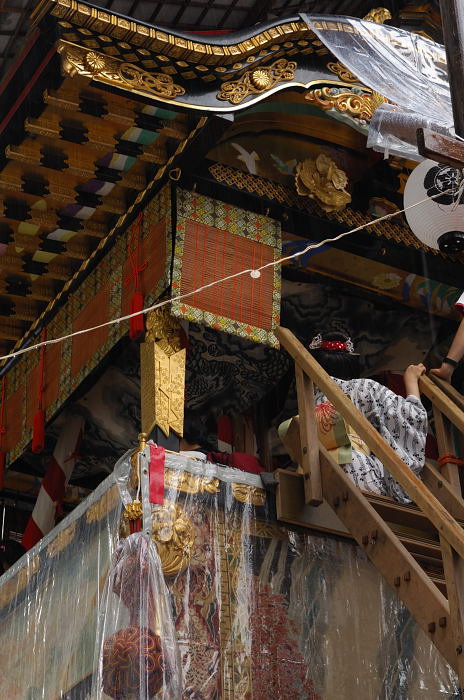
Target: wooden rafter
x=80 y=163
x=15 y=176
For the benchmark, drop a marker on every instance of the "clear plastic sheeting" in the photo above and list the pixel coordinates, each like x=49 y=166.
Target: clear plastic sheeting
x=137 y=654
x=48 y=603
x=393 y=131
x=260 y=610
x=407 y=68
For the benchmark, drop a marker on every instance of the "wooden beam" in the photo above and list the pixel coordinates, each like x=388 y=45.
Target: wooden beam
x=443 y=149
x=390 y=557
x=14 y=175
x=453 y=567
x=45 y=211
x=444 y=491
x=291 y=508
x=449 y=391
x=26 y=310
x=11 y=331
x=118 y=110
x=405 y=515
x=13 y=263
x=442 y=402
x=74 y=248
x=309 y=438
x=103 y=139
x=80 y=162
x=416 y=490
x=40 y=289
x=49 y=220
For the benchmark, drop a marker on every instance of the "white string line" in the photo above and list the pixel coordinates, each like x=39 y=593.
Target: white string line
x=274 y=263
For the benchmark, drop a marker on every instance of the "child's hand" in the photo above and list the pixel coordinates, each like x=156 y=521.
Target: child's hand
x=414 y=372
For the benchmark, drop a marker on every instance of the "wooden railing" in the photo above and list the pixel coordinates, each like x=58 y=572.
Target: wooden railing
x=437 y=495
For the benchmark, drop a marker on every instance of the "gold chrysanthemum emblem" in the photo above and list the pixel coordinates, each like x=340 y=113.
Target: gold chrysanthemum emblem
x=260 y=79
x=94 y=62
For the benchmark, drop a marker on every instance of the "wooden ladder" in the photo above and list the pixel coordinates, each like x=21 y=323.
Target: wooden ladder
x=418 y=548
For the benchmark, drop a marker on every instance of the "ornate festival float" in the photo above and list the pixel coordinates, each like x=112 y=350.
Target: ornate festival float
x=181 y=214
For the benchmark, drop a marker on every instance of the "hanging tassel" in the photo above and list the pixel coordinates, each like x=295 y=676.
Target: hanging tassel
x=2 y=433
x=136 y=323
x=2 y=469
x=38 y=430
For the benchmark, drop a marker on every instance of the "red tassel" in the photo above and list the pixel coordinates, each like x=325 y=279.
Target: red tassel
x=2 y=469
x=38 y=432
x=137 y=325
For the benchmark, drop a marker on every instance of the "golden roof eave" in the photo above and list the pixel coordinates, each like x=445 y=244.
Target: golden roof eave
x=100 y=20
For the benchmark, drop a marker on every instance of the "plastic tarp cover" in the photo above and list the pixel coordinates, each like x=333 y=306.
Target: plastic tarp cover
x=260 y=610
x=406 y=68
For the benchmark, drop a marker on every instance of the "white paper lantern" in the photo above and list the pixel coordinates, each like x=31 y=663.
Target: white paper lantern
x=438 y=222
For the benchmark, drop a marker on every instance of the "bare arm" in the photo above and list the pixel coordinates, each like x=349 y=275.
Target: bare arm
x=456 y=353
x=411 y=379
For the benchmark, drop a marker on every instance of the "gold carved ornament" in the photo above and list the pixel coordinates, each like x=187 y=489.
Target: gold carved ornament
x=357 y=105
x=323 y=181
x=249 y=494
x=190 y=483
x=254 y=82
x=79 y=61
x=162 y=361
x=379 y=15
x=174 y=536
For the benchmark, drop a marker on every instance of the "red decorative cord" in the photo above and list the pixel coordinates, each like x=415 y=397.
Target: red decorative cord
x=134 y=254
x=40 y=387
x=450 y=458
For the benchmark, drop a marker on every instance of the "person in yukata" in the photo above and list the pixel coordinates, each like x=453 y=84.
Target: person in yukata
x=456 y=351
x=402 y=422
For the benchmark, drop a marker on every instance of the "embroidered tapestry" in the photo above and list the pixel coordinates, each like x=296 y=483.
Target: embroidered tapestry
x=103 y=295
x=215 y=240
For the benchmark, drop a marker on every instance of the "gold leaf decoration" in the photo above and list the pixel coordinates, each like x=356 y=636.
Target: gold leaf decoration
x=324 y=182
x=253 y=82
x=379 y=15
x=101 y=508
x=77 y=60
x=12 y=588
x=190 y=483
x=342 y=71
x=359 y=105
x=174 y=535
x=249 y=494
x=163 y=374
x=62 y=540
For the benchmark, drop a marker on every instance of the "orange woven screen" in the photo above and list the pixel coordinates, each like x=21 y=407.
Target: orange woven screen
x=215 y=240
x=84 y=347
x=152 y=257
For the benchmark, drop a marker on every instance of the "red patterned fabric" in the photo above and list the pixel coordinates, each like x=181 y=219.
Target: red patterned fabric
x=130 y=582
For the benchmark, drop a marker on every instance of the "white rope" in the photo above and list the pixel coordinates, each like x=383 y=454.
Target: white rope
x=254 y=273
